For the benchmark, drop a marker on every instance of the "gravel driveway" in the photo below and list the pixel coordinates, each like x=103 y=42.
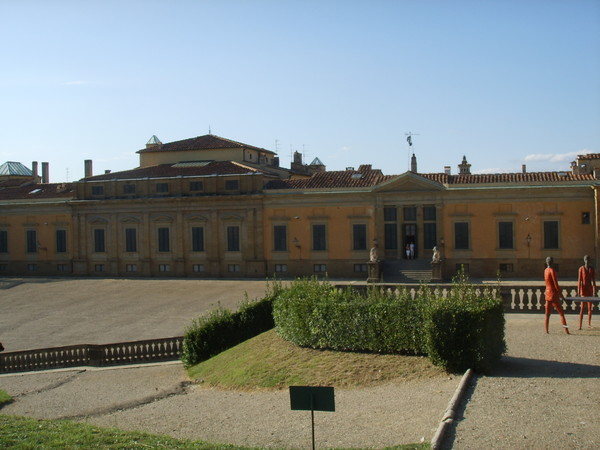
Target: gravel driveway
x=544 y=394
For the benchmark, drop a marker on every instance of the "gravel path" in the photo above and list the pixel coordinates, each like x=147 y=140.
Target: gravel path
x=544 y=394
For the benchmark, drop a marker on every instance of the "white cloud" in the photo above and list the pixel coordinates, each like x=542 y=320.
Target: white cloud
x=553 y=157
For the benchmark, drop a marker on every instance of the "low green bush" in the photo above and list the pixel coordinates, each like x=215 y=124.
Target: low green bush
x=464 y=330
x=316 y=314
x=221 y=329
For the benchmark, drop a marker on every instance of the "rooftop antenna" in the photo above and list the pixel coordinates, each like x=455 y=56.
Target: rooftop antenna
x=409 y=136
x=209 y=132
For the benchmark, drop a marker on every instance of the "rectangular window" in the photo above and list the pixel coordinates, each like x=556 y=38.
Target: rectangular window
x=198 y=268
x=280 y=238
x=429 y=213
x=391 y=236
x=130 y=240
x=32 y=267
x=279 y=268
x=461 y=235
x=162 y=188
x=233 y=239
x=232 y=185
x=506 y=268
x=389 y=214
x=31 y=241
x=62 y=268
x=129 y=189
x=410 y=214
x=163 y=240
x=585 y=218
x=3 y=241
x=164 y=268
x=319 y=237
x=320 y=268
x=233 y=268
x=61 y=241
x=550 y=234
x=197 y=239
x=430 y=235
x=98 y=267
x=359 y=236
x=196 y=186
x=99 y=245
x=97 y=190
x=131 y=267
x=505 y=235
x=3 y=267
x=360 y=268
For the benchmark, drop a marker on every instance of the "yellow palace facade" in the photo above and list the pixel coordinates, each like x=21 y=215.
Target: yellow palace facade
x=214 y=207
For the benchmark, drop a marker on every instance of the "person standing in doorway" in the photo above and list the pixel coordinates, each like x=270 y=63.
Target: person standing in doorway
x=553 y=295
x=412 y=250
x=586 y=287
x=407 y=249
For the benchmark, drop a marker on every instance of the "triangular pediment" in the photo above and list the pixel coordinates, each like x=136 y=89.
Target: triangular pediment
x=409 y=181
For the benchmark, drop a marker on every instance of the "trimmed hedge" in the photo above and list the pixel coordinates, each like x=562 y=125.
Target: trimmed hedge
x=465 y=331
x=317 y=315
x=221 y=329
x=461 y=331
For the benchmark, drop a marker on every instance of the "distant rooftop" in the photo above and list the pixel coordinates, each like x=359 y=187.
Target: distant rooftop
x=15 y=169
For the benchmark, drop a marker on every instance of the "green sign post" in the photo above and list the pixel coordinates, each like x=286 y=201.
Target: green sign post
x=312 y=398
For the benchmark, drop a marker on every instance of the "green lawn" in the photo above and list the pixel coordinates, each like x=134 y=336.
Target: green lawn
x=268 y=361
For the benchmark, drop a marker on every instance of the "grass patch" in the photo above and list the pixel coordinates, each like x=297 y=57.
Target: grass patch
x=26 y=433
x=4 y=397
x=269 y=362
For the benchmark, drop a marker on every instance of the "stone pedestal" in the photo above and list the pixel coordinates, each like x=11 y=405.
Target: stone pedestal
x=436 y=271
x=374 y=271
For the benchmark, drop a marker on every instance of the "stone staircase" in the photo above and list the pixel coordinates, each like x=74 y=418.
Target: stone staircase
x=407 y=271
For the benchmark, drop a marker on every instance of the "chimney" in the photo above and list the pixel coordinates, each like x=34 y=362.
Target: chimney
x=87 y=164
x=34 y=169
x=107 y=171
x=447 y=170
x=524 y=168
x=45 y=173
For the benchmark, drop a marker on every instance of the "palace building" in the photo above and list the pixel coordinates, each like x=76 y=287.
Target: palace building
x=214 y=207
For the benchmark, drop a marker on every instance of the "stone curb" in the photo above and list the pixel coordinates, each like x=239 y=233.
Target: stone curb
x=448 y=418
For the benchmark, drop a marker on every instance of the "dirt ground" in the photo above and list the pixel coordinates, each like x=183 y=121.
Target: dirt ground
x=544 y=394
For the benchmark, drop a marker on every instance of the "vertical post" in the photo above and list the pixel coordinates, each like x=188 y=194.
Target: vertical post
x=312 y=418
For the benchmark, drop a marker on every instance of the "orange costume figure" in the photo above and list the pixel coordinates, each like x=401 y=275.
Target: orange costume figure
x=586 y=287
x=553 y=295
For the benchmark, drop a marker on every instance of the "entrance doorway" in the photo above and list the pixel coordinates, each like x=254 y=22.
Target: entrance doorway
x=410 y=241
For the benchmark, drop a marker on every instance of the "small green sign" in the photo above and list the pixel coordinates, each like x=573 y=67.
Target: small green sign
x=312 y=398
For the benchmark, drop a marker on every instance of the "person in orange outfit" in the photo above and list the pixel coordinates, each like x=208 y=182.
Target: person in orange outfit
x=586 y=287
x=553 y=294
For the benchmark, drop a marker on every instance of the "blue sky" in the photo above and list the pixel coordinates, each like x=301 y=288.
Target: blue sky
x=505 y=83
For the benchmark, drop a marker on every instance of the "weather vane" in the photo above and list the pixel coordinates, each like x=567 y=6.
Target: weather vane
x=409 y=136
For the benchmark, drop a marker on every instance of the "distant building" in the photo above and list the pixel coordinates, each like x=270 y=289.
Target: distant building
x=214 y=207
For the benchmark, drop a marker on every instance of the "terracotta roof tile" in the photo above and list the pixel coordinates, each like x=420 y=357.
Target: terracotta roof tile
x=206 y=142
x=364 y=177
x=589 y=156
x=198 y=168
x=500 y=178
x=36 y=191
